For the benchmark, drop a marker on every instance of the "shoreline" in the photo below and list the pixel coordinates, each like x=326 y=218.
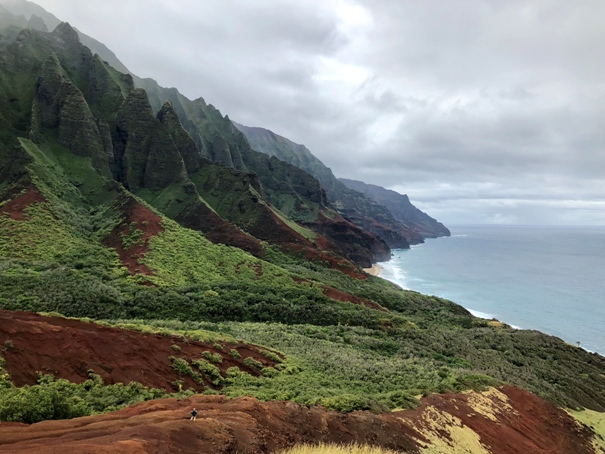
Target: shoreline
x=374 y=271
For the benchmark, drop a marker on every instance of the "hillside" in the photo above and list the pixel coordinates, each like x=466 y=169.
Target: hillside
x=504 y=420
x=409 y=226
x=186 y=275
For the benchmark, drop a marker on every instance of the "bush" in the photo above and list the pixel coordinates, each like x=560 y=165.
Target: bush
x=215 y=358
x=61 y=399
x=271 y=355
x=253 y=363
x=212 y=372
x=183 y=367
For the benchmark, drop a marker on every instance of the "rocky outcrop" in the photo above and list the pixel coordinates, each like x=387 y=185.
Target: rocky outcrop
x=183 y=141
x=146 y=156
x=59 y=104
x=357 y=244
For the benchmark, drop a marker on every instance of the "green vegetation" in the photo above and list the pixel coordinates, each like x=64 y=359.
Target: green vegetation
x=211 y=372
x=215 y=358
x=61 y=399
x=344 y=367
x=596 y=421
x=182 y=366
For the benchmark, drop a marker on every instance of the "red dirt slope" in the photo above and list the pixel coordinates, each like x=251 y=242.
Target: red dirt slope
x=245 y=425
x=16 y=207
x=69 y=348
x=135 y=216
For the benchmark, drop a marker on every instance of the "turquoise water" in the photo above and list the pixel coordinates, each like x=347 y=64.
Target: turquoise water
x=547 y=278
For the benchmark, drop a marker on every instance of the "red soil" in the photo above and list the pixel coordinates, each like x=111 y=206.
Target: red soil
x=341 y=264
x=246 y=425
x=135 y=216
x=535 y=426
x=15 y=209
x=69 y=348
x=337 y=295
x=198 y=216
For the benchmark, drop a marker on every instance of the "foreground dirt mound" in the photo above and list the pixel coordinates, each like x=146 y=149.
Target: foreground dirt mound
x=499 y=421
x=69 y=348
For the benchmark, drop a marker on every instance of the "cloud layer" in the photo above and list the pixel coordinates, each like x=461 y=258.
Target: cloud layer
x=481 y=111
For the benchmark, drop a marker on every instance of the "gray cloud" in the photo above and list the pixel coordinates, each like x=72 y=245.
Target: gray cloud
x=481 y=111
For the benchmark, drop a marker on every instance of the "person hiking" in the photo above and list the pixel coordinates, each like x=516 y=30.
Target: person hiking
x=193 y=415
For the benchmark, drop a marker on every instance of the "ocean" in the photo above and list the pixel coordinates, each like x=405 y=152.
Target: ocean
x=551 y=279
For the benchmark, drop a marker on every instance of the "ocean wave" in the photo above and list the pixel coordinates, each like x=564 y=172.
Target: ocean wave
x=480 y=314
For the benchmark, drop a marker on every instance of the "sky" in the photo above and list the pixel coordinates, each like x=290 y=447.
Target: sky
x=482 y=111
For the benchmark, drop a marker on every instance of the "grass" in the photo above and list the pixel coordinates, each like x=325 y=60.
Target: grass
x=303 y=231
x=596 y=421
x=323 y=448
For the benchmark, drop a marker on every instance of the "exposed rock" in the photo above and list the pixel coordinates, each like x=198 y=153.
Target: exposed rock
x=146 y=156
x=105 y=95
x=183 y=141
x=37 y=23
x=59 y=104
x=357 y=244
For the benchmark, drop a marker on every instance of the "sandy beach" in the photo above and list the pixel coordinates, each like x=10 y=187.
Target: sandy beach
x=374 y=271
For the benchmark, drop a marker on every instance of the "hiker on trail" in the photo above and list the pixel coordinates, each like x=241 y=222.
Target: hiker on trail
x=193 y=415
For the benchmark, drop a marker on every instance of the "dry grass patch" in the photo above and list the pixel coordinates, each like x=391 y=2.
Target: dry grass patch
x=596 y=421
x=336 y=449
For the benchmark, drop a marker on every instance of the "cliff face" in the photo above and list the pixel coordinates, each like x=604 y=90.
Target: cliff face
x=401 y=207
x=291 y=190
x=146 y=155
x=81 y=104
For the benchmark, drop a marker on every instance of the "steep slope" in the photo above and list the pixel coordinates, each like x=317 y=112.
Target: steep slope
x=292 y=191
x=72 y=349
x=90 y=109
x=398 y=232
x=40 y=19
x=401 y=208
x=297 y=195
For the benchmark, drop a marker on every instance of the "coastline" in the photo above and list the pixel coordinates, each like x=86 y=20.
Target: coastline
x=374 y=271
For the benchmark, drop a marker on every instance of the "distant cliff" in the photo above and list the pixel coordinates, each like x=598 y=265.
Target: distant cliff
x=401 y=207
x=408 y=226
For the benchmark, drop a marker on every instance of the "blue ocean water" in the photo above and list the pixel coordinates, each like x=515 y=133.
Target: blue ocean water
x=547 y=278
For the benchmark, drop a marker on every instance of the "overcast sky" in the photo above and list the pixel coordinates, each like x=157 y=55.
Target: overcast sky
x=481 y=111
